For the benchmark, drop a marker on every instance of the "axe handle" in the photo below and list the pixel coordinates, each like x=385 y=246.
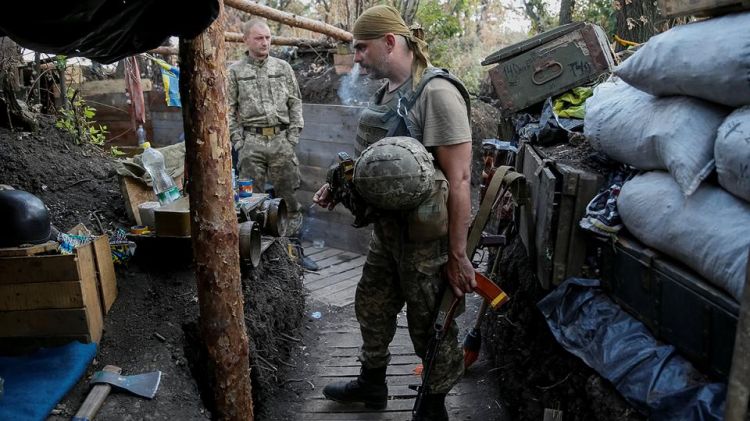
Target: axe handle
x=95 y=398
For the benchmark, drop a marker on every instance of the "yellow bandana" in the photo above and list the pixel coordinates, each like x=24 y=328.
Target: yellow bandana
x=380 y=20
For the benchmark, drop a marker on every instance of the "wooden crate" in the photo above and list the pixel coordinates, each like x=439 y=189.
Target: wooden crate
x=676 y=8
x=55 y=298
x=559 y=195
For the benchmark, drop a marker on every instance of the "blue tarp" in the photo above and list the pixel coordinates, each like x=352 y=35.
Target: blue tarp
x=651 y=376
x=35 y=383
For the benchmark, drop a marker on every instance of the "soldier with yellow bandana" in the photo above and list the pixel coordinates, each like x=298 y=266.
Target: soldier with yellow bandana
x=404 y=261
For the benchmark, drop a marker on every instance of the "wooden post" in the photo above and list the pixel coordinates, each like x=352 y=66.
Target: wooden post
x=290 y=19
x=214 y=227
x=738 y=387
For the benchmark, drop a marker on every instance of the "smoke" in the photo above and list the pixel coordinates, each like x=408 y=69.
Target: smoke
x=349 y=87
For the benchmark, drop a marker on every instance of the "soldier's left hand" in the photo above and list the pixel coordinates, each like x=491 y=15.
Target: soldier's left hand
x=460 y=274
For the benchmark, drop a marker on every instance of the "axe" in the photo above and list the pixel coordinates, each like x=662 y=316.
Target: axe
x=144 y=385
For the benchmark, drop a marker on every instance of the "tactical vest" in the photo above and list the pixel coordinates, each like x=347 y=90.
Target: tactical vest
x=392 y=118
x=428 y=221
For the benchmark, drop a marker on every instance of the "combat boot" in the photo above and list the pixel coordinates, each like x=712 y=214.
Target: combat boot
x=433 y=408
x=369 y=388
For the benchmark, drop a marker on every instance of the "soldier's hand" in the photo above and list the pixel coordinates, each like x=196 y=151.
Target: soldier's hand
x=323 y=197
x=460 y=274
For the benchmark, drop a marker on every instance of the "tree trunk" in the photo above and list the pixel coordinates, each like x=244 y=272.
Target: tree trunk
x=637 y=20
x=408 y=9
x=12 y=114
x=566 y=11
x=213 y=221
x=290 y=19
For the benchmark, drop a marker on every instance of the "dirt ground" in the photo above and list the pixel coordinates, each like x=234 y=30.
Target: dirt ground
x=152 y=325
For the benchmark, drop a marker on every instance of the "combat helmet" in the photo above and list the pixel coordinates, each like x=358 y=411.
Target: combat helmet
x=25 y=219
x=394 y=173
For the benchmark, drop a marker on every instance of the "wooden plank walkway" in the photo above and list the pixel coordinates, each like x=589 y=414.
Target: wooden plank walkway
x=335 y=282
x=340 y=339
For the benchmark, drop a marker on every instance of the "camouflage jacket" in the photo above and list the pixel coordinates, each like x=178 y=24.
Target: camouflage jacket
x=263 y=93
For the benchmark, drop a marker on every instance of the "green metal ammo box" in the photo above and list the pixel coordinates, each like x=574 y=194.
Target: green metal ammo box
x=549 y=64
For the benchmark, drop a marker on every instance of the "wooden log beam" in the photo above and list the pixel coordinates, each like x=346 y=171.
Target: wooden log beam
x=237 y=37
x=213 y=222
x=295 y=42
x=290 y=19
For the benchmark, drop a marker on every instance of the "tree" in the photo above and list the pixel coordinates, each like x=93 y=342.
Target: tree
x=637 y=20
x=12 y=113
x=408 y=9
x=537 y=12
x=566 y=11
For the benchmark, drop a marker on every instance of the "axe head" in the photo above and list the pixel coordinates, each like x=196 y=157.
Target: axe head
x=144 y=385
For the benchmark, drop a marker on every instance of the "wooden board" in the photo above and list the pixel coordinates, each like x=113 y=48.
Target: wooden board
x=41 y=295
x=30 y=250
x=106 y=281
x=33 y=269
x=135 y=192
x=536 y=234
x=87 y=269
x=36 y=323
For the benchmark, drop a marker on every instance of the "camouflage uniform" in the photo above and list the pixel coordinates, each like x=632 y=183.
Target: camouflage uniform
x=264 y=93
x=399 y=270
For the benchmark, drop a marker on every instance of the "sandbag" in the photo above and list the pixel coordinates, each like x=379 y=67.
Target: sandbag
x=676 y=134
x=732 y=153
x=709 y=59
x=708 y=231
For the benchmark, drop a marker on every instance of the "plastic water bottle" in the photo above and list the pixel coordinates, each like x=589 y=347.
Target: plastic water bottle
x=164 y=187
x=140 y=134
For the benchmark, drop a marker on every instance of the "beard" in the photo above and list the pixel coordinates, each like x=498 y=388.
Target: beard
x=378 y=68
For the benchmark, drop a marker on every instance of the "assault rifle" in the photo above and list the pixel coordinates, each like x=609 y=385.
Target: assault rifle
x=492 y=294
x=340 y=182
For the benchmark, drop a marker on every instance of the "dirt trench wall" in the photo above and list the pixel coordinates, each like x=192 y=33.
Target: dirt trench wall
x=274 y=310
x=534 y=371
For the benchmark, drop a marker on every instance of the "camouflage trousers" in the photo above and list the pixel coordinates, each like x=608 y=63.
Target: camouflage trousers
x=272 y=158
x=398 y=272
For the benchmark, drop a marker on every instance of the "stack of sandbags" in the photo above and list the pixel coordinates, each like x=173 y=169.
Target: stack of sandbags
x=709 y=231
x=682 y=106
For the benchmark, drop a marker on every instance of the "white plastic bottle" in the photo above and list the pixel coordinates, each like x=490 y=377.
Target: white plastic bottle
x=141 y=135
x=164 y=187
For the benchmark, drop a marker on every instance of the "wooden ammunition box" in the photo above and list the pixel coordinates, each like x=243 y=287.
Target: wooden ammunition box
x=52 y=299
x=676 y=304
x=676 y=8
x=549 y=64
x=560 y=193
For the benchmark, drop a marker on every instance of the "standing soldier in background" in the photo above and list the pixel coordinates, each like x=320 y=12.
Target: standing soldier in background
x=265 y=120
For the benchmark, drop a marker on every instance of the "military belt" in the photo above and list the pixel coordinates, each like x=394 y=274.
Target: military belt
x=267 y=131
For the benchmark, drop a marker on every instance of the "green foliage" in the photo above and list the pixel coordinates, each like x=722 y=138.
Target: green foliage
x=600 y=12
x=116 y=152
x=436 y=22
x=542 y=19
x=77 y=120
